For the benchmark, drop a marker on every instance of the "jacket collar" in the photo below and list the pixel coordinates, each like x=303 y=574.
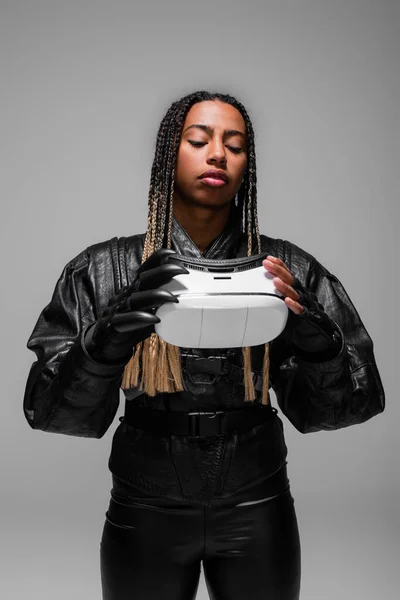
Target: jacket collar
x=231 y=243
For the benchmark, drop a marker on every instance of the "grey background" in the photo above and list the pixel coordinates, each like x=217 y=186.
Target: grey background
x=84 y=86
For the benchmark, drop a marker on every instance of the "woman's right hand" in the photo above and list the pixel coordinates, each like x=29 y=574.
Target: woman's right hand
x=130 y=316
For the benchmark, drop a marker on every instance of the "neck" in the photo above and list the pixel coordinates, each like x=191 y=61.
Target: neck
x=203 y=224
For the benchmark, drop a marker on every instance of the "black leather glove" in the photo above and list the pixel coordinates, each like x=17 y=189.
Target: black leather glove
x=314 y=335
x=129 y=318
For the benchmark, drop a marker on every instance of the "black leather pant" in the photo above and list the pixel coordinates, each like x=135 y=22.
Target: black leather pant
x=153 y=548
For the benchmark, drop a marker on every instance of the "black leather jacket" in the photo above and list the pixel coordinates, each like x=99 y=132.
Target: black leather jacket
x=69 y=393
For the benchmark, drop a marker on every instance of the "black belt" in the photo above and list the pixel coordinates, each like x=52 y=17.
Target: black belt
x=196 y=424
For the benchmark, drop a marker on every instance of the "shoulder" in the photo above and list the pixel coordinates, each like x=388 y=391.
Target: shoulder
x=101 y=250
x=298 y=257
x=301 y=262
x=102 y=268
x=289 y=252
x=120 y=256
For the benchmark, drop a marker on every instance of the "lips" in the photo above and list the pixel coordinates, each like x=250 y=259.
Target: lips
x=215 y=174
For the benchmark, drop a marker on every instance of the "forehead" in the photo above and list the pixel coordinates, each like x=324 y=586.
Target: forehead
x=216 y=114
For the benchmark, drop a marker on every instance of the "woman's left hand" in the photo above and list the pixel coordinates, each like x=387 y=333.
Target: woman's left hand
x=283 y=282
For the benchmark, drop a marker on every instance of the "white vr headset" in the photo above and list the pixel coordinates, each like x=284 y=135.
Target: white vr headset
x=222 y=304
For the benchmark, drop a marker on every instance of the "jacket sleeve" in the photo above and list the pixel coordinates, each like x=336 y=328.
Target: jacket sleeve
x=66 y=391
x=332 y=394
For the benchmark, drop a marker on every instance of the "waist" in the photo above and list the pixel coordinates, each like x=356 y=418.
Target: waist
x=196 y=424
x=268 y=488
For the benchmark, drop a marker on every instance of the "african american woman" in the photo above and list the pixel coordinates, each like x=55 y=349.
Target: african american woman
x=189 y=489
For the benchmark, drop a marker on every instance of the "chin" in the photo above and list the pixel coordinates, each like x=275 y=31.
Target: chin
x=211 y=200
x=213 y=204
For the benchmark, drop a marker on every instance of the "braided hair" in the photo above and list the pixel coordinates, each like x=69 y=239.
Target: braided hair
x=154 y=360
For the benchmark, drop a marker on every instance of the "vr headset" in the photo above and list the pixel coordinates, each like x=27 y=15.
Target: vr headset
x=222 y=304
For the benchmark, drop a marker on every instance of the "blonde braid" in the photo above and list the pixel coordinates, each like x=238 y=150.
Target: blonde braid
x=251 y=222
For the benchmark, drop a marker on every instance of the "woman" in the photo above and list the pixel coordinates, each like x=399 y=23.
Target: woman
x=190 y=489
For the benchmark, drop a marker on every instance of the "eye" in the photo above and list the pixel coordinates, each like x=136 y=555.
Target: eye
x=196 y=144
x=235 y=149
x=232 y=148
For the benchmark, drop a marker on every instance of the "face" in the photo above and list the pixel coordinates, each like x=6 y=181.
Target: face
x=220 y=143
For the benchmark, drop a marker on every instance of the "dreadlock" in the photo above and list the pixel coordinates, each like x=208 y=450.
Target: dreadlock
x=157 y=361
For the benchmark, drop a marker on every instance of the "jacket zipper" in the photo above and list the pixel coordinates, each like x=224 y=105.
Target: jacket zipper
x=215 y=242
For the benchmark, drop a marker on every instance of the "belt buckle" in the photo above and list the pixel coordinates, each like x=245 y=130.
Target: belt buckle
x=210 y=365
x=204 y=427
x=203 y=364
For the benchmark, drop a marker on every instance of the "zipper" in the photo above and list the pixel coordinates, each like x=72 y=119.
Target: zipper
x=184 y=230
x=215 y=242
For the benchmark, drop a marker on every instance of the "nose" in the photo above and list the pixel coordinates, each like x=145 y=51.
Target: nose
x=217 y=152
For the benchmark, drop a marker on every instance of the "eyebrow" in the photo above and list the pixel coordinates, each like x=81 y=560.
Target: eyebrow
x=209 y=129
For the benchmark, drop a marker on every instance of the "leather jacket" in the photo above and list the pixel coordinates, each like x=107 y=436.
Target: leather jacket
x=68 y=392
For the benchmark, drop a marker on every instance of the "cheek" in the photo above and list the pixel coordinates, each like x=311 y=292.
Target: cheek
x=243 y=168
x=182 y=162
x=184 y=167
x=239 y=178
